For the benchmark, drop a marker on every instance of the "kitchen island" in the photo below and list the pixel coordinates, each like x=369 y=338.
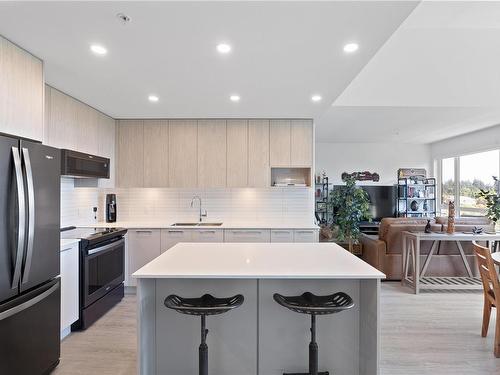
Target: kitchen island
x=260 y=337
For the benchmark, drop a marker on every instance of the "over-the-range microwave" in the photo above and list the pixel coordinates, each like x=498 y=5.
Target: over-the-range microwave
x=79 y=164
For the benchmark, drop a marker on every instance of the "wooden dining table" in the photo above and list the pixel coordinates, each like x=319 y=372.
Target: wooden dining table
x=411 y=260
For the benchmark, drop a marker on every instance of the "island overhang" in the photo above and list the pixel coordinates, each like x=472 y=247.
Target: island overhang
x=258 y=261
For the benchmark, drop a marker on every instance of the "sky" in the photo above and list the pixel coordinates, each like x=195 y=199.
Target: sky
x=480 y=166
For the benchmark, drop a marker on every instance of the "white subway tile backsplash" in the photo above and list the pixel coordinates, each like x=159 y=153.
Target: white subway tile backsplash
x=155 y=204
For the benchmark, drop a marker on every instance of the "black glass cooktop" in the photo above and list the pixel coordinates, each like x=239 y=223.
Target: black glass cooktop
x=90 y=233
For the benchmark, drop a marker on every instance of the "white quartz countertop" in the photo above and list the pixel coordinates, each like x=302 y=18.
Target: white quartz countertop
x=225 y=225
x=258 y=260
x=67 y=243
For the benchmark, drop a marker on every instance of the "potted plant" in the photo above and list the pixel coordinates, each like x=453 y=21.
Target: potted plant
x=350 y=205
x=492 y=201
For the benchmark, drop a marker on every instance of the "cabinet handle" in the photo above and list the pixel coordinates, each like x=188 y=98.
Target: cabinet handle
x=175 y=231
x=281 y=231
x=305 y=231
x=246 y=232
x=68 y=248
x=143 y=231
x=207 y=231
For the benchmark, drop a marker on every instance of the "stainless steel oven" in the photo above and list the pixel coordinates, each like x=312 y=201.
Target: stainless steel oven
x=102 y=270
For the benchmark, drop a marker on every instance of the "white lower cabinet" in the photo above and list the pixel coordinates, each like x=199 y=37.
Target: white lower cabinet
x=171 y=237
x=306 y=235
x=282 y=235
x=69 y=287
x=247 y=235
x=208 y=235
x=143 y=246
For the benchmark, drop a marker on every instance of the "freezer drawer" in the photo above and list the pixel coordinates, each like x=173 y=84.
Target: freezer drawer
x=29 y=328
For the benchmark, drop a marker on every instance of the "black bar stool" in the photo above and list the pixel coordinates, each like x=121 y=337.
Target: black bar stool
x=313 y=305
x=206 y=305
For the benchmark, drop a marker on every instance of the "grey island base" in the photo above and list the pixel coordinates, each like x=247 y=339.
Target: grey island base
x=260 y=337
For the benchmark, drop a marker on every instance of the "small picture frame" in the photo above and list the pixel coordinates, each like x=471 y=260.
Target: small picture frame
x=320 y=206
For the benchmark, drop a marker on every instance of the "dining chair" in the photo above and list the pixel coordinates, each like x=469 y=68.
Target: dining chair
x=491 y=289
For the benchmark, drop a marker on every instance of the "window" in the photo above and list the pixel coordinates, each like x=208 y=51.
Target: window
x=474 y=172
x=447 y=184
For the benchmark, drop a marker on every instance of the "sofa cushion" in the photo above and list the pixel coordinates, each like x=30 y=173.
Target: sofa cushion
x=388 y=221
x=474 y=221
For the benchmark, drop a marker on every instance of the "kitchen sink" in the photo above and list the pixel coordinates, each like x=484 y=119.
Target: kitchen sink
x=196 y=224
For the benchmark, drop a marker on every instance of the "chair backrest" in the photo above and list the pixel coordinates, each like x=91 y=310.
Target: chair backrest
x=489 y=277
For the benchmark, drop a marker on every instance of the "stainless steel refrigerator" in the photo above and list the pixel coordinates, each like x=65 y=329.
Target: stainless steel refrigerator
x=29 y=257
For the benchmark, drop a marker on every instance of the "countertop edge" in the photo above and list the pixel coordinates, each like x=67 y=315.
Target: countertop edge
x=131 y=225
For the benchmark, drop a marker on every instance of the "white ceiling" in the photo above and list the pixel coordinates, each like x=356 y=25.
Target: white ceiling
x=283 y=52
x=438 y=76
x=424 y=71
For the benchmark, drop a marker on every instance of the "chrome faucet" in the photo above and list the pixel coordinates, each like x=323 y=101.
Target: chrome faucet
x=203 y=213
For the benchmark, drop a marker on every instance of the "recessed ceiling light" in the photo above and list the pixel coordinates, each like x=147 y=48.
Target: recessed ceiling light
x=351 y=47
x=98 y=49
x=316 y=98
x=234 y=98
x=223 y=48
x=153 y=98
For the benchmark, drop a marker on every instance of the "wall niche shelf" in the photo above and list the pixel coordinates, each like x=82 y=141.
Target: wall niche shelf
x=290 y=177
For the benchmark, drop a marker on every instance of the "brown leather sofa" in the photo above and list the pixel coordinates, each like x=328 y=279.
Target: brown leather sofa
x=384 y=251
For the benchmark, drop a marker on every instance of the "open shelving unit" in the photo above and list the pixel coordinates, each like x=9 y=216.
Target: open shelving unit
x=416 y=197
x=322 y=207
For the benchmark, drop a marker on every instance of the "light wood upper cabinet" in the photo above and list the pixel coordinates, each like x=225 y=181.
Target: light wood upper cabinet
x=62 y=129
x=106 y=147
x=279 y=143
x=301 y=140
x=211 y=153
x=183 y=153
x=130 y=153
x=237 y=153
x=87 y=120
x=258 y=153
x=155 y=153
x=21 y=92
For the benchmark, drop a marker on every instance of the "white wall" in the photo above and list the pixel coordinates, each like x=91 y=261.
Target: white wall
x=481 y=140
x=170 y=205
x=77 y=203
x=383 y=158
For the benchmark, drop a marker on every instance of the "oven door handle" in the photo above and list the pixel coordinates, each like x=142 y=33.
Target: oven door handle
x=106 y=247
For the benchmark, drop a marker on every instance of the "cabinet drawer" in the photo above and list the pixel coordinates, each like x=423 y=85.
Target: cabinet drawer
x=306 y=235
x=171 y=237
x=143 y=246
x=281 y=235
x=247 y=235
x=208 y=235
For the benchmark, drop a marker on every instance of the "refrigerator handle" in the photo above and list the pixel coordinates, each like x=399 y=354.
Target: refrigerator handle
x=31 y=214
x=21 y=217
x=26 y=305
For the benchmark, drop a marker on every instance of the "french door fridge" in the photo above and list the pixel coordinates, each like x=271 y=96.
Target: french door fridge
x=29 y=257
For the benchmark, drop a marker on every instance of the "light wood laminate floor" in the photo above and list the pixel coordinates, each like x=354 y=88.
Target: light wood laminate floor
x=434 y=333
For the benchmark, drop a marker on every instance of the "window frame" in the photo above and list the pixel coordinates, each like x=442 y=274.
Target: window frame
x=456 y=174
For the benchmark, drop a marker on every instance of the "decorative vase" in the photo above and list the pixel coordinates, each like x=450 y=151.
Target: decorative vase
x=428 y=227
x=451 y=218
